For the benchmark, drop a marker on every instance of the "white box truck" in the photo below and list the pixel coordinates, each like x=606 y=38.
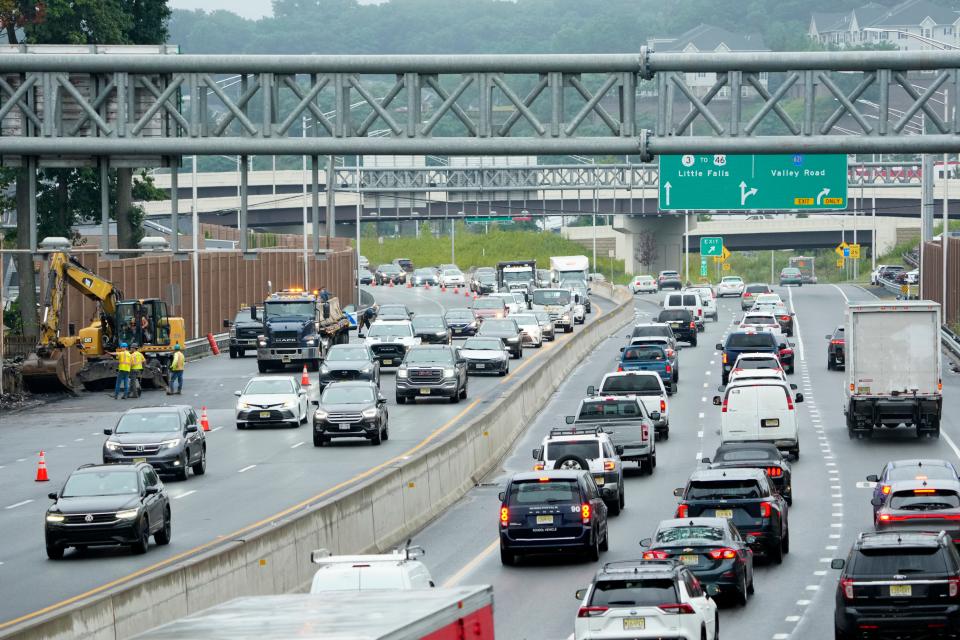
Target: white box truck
x=893 y=367
x=564 y=268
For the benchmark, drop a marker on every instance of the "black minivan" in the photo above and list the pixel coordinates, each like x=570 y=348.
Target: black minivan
x=552 y=511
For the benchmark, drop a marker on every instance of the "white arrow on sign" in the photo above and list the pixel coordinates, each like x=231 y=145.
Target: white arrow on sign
x=746 y=193
x=822 y=195
x=666 y=188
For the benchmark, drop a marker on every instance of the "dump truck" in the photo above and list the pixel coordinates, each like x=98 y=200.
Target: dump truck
x=517 y=276
x=299 y=328
x=142 y=323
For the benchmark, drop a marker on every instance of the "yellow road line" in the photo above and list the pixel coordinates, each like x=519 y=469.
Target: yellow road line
x=470 y=566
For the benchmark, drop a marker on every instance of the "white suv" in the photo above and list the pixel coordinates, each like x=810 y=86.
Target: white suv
x=588 y=448
x=665 y=601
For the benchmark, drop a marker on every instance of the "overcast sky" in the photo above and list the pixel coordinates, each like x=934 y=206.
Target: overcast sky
x=247 y=8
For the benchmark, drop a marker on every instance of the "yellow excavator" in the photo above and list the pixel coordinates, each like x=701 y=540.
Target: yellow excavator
x=140 y=323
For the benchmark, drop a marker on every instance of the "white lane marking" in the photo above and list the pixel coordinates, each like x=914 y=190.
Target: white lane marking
x=813 y=587
x=845 y=298
x=299 y=444
x=866 y=484
x=781 y=636
x=796 y=327
x=246 y=468
x=713 y=362
x=18 y=504
x=701 y=415
x=699 y=455
x=78 y=440
x=184 y=494
x=705 y=384
x=820 y=573
x=21 y=459
x=703 y=399
x=699 y=434
x=1 y=466
x=61 y=446
x=216 y=429
x=792 y=619
x=803 y=603
x=832 y=547
x=94 y=433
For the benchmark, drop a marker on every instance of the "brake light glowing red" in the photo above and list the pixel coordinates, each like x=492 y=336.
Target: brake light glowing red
x=585 y=513
x=887 y=517
x=765 y=510
x=619 y=368
x=789 y=400
x=663 y=405
x=655 y=555
x=774 y=472
x=699 y=312
x=785 y=318
x=723 y=554
x=846 y=585
x=645 y=433
x=669 y=368
x=836 y=342
x=608 y=465
x=504 y=516
x=678 y=608
x=591 y=612
x=682 y=510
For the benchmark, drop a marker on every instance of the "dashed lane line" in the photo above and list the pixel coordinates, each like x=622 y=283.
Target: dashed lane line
x=18 y=504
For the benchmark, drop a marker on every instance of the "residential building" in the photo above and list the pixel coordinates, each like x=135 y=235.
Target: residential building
x=875 y=23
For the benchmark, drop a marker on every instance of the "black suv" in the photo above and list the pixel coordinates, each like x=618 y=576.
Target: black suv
x=351 y=410
x=117 y=504
x=244 y=330
x=552 y=511
x=836 y=354
x=349 y=362
x=682 y=323
x=900 y=585
x=756 y=455
x=747 y=498
x=394 y=312
x=752 y=342
x=505 y=329
x=432 y=329
x=432 y=370
x=168 y=438
x=389 y=274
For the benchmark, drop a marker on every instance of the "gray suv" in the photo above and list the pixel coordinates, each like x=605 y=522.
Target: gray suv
x=432 y=370
x=168 y=438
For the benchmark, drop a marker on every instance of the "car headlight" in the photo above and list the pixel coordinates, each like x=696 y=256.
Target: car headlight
x=401 y=373
x=55 y=517
x=566 y=317
x=448 y=373
x=369 y=413
x=324 y=369
x=128 y=514
x=320 y=414
x=311 y=342
x=367 y=369
x=514 y=339
x=262 y=343
x=289 y=405
x=170 y=444
x=243 y=405
x=112 y=446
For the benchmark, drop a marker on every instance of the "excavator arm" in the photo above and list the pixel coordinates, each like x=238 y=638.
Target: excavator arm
x=64 y=270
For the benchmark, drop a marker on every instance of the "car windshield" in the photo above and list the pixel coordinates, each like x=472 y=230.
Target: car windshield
x=652 y=332
x=112 y=482
x=342 y=353
x=750 y=341
x=459 y=316
x=347 y=395
x=431 y=356
x=394 y=310
x=452 y=272
x=488 y=303
x=425 y=272
x=673 y=315
x=747 y=455
x=275 y=310
x=540 y=492
x=518 y=276
x=483 y=344
x=428 y=322
x=383 y=330
x=524 y=318
x=268 y=387
x=670 y=274
x=160 y=422
x=542 y=316
x=586 y=449
x=644 y=353
x=498 y=326
x=757 y=363
x=244 y=316
x=899 y=560
x=646 y=592
x=632 y=383
x=607 y=409
x=723 y=490
x=686 y=534
x=757 y=288
x=918 y=472
x=733 y=280
x=765 y=298
x=485 y=278
x=388 y=268
x=790 y=272
x=551 y=296
x=925 y=500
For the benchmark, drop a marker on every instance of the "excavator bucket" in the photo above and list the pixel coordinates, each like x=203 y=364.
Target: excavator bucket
x=101 y=374
x=46 y=373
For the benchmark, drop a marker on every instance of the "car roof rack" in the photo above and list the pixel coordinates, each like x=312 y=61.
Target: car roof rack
x=576 y=431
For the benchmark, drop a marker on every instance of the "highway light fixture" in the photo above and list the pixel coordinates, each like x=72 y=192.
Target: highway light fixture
x=154 y=243
x=55 y=243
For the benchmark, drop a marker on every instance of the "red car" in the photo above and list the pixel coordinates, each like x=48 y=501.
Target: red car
x=490 y=308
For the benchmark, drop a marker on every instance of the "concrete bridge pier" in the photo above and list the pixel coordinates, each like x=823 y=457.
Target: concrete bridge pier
x=652 y=244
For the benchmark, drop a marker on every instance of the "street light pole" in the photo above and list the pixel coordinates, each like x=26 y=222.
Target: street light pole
x=306 y=248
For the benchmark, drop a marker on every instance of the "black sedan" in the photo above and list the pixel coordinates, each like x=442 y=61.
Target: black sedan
x=432 y=329
x=351 y=410
x=486 y=355
x=168 y=438
x=116 y=504
x=389 y=274
x=712 y=548
x=756 y=455
x=394 y=312
x=364 y=276
x=505 y=329
x=836 y=352
x=349 y=362
x=424 y=276
x=462 y=322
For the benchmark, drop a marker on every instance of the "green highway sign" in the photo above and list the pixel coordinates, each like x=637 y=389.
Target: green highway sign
x=481 y=220
x=711 y=246
x=703 y=267
x=736 y=182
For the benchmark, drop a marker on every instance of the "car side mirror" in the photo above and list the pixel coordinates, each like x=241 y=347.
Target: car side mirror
x=502 y=496
x=783 y=345
x=876 y=501
x=719 y=347
x=717 y=401
x=192 y=428
x=799 y=398
x=152 y=491
x=712 y=590
x=678 y=492
x=618 y=449
x=591 y=390
x=226 y=323
x=705 y=460
x=108 y=432
x=654 y=415
x=873 y=478
x=536 y=454
x=580 y=594
x=646 y=542
x=837 y=563
x=621 y=349
x=380 y=400
x=253 y=313
x=52 y=495
x=237 y=393
x=570 y=419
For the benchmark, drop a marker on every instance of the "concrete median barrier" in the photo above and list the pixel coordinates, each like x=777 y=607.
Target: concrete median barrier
x=376 y=514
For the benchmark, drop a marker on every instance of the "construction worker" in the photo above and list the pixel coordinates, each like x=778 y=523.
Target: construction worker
x=136 y=371
x=366 y=319
x=324 y=295
x=176 y=371
x=124 y=362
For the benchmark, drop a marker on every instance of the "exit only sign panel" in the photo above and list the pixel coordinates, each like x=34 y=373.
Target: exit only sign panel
x=737 y=182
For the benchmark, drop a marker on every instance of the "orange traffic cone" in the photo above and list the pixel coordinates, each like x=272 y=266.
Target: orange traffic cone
x=427 y=286
x=409 y=285
x=466 y=293
x=443 y=289
x=204 y=422
x=304 y=377
x=456 y=290
x=42 y=469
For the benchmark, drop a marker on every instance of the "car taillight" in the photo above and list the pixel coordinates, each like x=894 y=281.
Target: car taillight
x=655 y=555
x=774 y=472
x=789 y=401
x=785 y=318
x=669 y=368
x=836 y=342
x=723 y=554
x=585 y=513
x=669 y=353
x=645 y=433
x=699 y=312
x=765 y=510
x=682 y=510
x=619 y=368
x=663 y=405
x=504 y=516
x=723 y=407
x=693 y=325
x=954 y=587
x=846 y=585
x=608 y=465
x=590 y=612
x=679 y=608
x=786 y=352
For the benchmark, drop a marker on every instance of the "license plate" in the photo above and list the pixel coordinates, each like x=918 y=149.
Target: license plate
x=901 y=590
x=771 y=422
x=723 y=513
x=544 y=519
x=690 y=559
x=424 y=391
x=634 y=624
x=481 y=366
x=344 y=427
x=136 y=460
x=388 y=362
x=600 y=481
x=457 y=331
x=264 y=414
x=285 y=359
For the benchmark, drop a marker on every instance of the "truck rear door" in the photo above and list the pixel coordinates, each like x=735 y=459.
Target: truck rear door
x=739 y=418
x=911 y=344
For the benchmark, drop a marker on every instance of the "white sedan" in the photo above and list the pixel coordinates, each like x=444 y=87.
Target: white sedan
x=643 y=284
x=530 y=331
x=730 y=286
x=513 y=306
x=272 y=400
x=452 y=278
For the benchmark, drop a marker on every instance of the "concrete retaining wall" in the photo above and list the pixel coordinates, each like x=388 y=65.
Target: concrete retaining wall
x=375 y=515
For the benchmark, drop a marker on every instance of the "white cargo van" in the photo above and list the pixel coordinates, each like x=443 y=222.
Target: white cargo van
x=760 y=411
x=398 y=570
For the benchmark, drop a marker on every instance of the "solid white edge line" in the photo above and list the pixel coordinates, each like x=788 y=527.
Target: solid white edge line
x=246 y=468
x=18 y=504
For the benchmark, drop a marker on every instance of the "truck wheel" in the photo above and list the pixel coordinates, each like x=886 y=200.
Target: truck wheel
x=233 y=353
x=262 y=367
x=506 y=558
x=318 y=439
x=401 y=399
x=693 y=341
x=829 y=364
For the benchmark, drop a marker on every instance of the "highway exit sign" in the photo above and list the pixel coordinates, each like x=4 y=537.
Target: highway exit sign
x=711 y=246
x=738 y=182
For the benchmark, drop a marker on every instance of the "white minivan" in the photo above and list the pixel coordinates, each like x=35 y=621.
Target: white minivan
x=760 y=411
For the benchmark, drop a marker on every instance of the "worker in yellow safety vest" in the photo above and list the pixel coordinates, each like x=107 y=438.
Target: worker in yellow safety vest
x=124 y=362
x=136 y=371
x=176 y=371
